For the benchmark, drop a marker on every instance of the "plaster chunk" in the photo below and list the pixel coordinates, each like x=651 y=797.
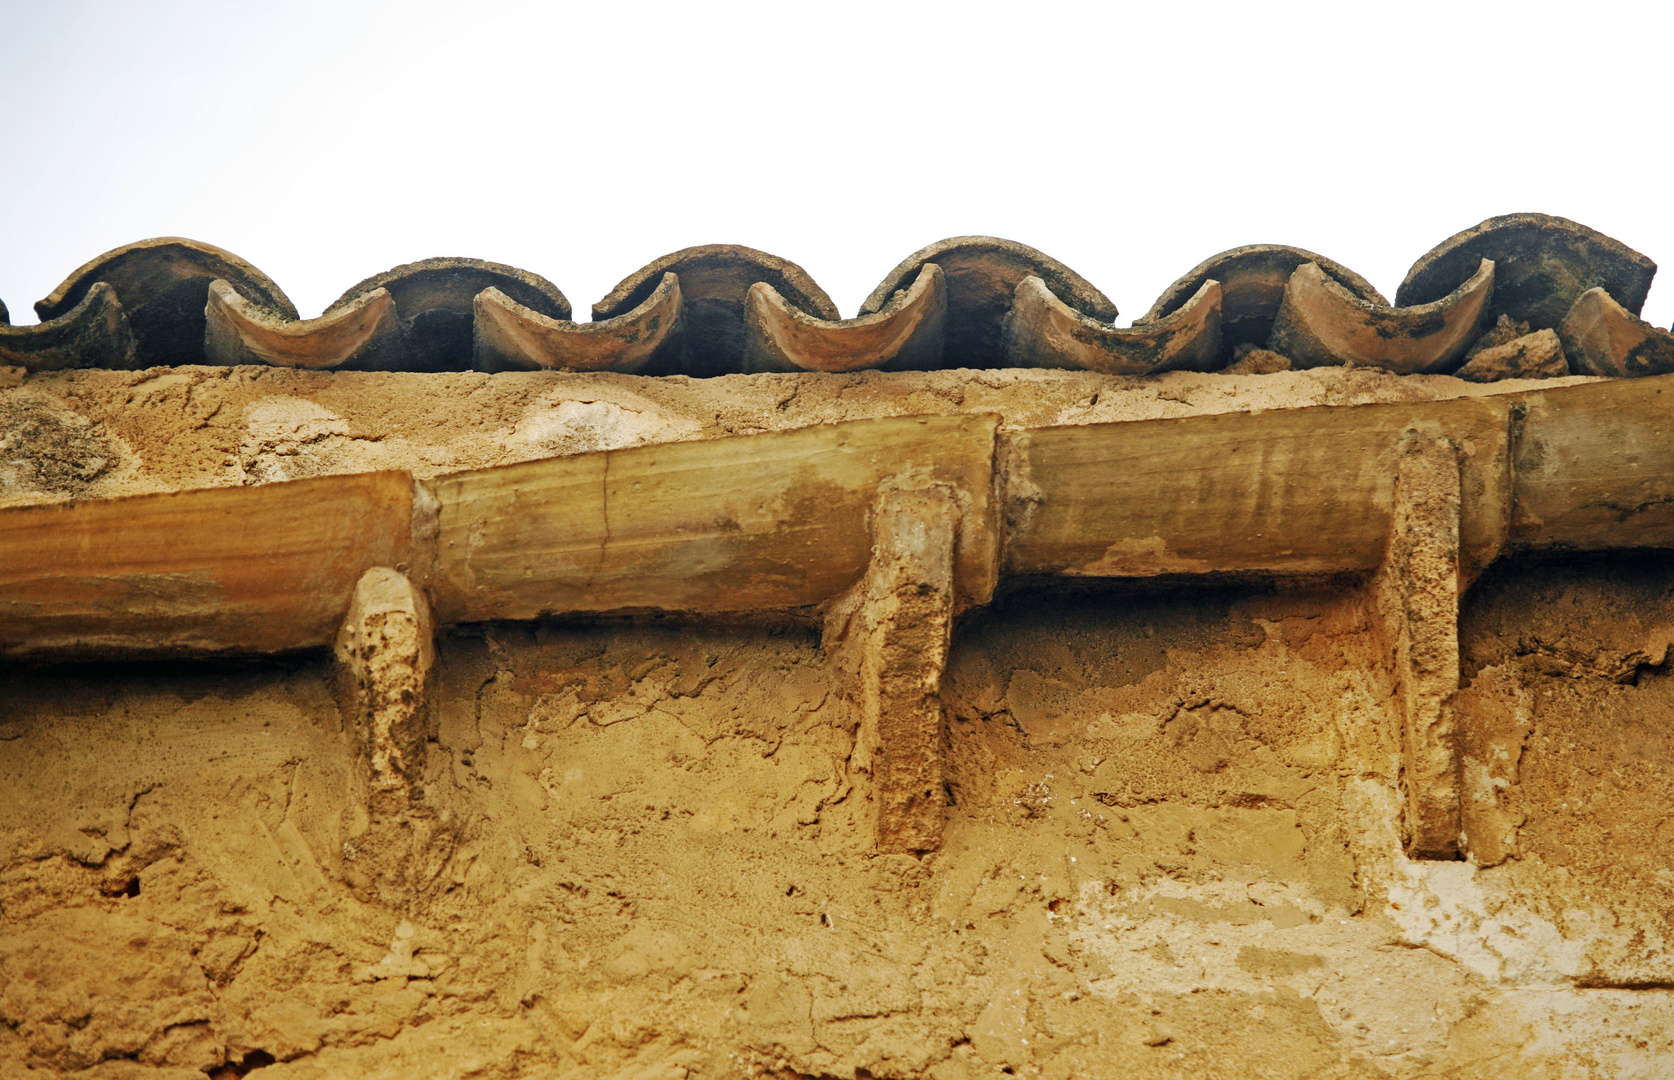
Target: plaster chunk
x=1539 y=355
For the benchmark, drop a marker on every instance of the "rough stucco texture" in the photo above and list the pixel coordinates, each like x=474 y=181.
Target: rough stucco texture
x=95 y=434
x=1171 y=843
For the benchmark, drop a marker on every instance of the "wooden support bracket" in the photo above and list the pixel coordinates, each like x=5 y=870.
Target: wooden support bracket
x=890 y=637
x=1415 y=597
x=385 y=651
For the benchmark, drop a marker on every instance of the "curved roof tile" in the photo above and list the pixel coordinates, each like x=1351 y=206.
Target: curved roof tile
x=723 y=309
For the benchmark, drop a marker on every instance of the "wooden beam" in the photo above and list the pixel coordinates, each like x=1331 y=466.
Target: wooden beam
x=769 y=522
x=1285 y=492
x=1595 y=467
x=782 y=520
x=223 y=570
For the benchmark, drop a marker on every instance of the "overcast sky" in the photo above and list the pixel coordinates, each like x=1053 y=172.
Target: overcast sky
x=325 y=142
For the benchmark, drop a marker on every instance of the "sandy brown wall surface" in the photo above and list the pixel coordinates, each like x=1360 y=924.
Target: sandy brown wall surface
x=96 y=434
x=643 y=848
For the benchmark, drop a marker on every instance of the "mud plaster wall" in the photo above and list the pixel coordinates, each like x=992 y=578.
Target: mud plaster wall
x=96 y=434
x=1171 y=843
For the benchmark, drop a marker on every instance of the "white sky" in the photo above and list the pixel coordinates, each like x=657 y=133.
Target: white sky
x=325 y=142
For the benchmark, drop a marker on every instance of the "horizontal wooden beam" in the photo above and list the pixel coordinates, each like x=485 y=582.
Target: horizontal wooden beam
x=1287 y=493
x=221 y=570
x=767 y=522
x=783 y=520
x=1594 y=467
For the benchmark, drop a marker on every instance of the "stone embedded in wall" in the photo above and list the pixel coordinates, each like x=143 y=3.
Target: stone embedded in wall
x=1504 y=331
x=406 y=833
x=1249 y=359
x=49 y=453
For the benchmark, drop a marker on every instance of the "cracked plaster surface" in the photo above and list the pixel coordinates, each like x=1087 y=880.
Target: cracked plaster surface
x=1171 y=847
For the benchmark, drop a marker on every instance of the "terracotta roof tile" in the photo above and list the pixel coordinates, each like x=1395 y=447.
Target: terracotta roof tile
x=965 y=302
x=163 y=285
x=1546 y=263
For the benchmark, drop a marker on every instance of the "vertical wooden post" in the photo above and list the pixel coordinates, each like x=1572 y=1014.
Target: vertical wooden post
x=1416 y=599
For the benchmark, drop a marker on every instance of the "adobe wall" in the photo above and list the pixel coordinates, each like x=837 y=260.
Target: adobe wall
x=99 y=433
x=1171 y=826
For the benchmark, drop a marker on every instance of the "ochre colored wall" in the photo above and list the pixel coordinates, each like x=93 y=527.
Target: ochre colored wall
x=1172 y=825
